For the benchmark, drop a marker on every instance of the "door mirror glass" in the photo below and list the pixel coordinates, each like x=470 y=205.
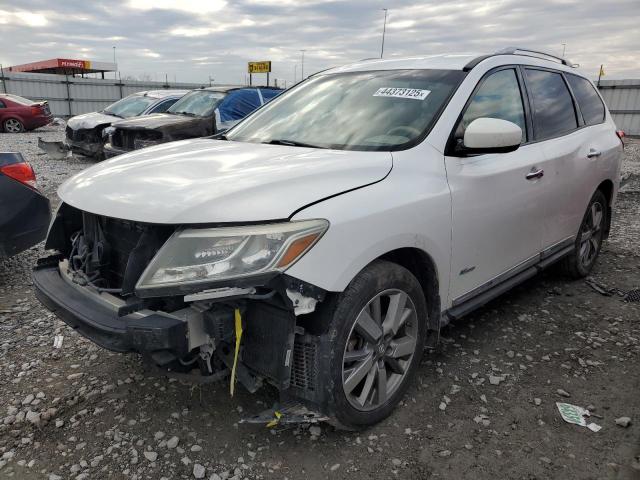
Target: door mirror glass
x=492 y=135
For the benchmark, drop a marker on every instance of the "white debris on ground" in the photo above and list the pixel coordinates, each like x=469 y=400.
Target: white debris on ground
x=482 y=406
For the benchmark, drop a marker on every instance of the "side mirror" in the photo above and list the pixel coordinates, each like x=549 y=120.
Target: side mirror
x=491 y=135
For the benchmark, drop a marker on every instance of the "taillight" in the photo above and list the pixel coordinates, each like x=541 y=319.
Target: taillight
x=21 y=172
x=36 y=109
x=620 y=134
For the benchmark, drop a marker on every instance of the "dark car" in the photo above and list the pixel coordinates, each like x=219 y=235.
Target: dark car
x=199 y=113
x=24 y=211
x=84 y=133
x=18 y=114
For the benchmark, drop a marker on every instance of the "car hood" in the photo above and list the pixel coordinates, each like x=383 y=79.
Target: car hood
x=215 y=181
x=156 y=121
x=91 y=120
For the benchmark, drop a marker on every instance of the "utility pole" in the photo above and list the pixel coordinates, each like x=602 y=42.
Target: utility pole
x=564 y=47
x=295 y=73
x=302 y=76
x=384 y=30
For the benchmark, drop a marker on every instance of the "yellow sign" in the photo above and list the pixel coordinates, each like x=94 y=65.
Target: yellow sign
x=259 y=67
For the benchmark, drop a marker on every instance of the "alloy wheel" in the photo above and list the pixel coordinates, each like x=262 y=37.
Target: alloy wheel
x=591 y=234
x=13 y=126
x=379 y=349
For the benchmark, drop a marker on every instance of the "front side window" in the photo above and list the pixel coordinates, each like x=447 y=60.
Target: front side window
x=130 y=106
x=553 y=111
x=498 y=97
x=198 y=103
x=374 y=110
x=163 y=106
x=590 y=103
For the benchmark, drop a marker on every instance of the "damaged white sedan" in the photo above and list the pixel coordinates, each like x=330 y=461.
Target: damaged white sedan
x=321 y=243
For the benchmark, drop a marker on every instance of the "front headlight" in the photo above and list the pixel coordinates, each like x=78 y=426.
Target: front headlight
x=204 y=255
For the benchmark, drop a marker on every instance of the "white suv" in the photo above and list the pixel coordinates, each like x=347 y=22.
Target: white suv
x=322 y=243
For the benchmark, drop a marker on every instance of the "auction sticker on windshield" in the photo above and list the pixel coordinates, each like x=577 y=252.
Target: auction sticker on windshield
x=413 y=93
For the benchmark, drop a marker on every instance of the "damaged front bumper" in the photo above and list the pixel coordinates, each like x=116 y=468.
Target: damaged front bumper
x=97 y=317
x=275 y=347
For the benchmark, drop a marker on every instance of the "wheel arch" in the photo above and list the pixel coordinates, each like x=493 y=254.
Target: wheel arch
x=424 y=268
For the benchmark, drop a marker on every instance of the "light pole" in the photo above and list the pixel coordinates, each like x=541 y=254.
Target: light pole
x=302 y=76
x=114 y=61
x=384 y=30
x=295 y=73
x=564 y=47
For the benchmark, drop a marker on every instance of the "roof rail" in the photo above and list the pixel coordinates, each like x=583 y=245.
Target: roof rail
x=520 y=51
x=534 y=53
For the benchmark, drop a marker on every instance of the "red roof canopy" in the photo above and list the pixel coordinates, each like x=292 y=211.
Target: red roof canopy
x=65 y=66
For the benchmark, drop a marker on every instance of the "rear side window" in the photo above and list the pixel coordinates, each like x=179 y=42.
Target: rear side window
x=2 y=105
x=588 y=99
x=498 y=97
x=553 y=110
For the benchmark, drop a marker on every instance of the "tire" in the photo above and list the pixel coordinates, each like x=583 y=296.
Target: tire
x=13 y=125
x=393 y=359
x=589 y=240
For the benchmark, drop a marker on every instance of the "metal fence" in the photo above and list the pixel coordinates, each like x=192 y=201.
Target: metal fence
x=623 y=100
x=69 y=95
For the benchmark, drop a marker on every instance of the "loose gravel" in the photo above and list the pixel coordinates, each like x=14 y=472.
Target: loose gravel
x=483 y=405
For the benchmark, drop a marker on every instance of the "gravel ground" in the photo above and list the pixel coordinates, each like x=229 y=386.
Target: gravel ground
x=483 y=405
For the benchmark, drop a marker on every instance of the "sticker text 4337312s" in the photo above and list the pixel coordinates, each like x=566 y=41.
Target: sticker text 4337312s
x=412 y=93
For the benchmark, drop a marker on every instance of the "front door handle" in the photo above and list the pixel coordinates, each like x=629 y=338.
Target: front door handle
x=593 y=153
x=534 y=174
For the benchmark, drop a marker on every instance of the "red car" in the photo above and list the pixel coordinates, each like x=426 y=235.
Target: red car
x=18 y=114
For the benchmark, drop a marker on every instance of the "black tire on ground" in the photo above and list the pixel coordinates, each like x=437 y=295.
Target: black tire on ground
x=392 y=281
x=589 y=240
x=13 y=125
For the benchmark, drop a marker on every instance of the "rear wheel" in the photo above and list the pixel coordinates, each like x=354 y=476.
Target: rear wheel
x=589 y=240
x=378 y=329
x=13 y=125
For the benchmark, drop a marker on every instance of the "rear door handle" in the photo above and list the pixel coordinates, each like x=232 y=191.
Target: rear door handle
x=534 y=174
x=593 y=153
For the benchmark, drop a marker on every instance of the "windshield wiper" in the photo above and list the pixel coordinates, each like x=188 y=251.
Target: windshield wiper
x=189 y=114
x=107 y=112
x=291 y=143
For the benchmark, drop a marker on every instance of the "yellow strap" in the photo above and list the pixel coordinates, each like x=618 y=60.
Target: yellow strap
x=238 y=321
x=275 y=421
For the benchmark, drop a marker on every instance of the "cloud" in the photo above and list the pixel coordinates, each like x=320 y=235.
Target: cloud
x=192 y=6
x=193 y=40
x=23 y=17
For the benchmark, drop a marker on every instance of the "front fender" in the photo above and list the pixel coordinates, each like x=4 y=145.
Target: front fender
x=409 y=208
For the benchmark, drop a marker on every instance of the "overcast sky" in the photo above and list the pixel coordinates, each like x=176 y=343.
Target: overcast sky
x=192 y=40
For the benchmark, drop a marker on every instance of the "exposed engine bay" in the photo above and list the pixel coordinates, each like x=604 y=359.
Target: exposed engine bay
x=264 y=330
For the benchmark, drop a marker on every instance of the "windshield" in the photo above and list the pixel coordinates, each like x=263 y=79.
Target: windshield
x=379 y=110
x=199 y=103
x=130 y=106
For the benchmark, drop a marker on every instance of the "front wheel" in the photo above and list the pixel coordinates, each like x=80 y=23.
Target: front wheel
x=589 y=240
x=378 y=329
